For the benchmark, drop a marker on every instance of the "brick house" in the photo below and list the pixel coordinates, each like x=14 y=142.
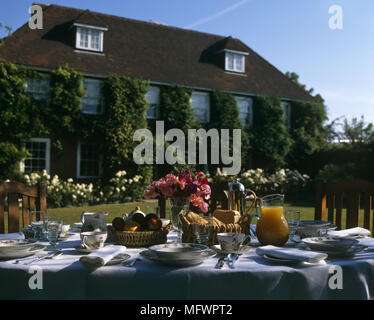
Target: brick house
x=98 y=45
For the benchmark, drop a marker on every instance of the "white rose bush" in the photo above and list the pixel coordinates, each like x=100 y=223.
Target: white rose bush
x=63 y=193
x=282 y=181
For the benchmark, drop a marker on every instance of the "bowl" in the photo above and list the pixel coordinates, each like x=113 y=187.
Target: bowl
x=313 y=228
x=329 y=244
x=178 y=250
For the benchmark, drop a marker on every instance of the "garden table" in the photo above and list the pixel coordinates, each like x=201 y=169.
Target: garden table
x=253 y=278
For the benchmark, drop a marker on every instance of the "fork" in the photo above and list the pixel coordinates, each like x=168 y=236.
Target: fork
x=130 y=264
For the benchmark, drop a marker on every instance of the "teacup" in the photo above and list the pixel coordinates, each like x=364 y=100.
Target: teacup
x=230 y=242
x=94 y=240
x=65 y=229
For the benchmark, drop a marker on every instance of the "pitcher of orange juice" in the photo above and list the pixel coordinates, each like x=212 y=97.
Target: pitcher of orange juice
x=272 y=227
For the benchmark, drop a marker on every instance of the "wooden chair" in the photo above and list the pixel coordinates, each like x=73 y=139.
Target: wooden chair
x=217 y=199
x=352 y=192
x=32 y=198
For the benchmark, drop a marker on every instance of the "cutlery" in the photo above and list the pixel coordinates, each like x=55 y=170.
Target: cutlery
x=131 y=263
x=48 y=256
x=220 y=263
x=232 y=257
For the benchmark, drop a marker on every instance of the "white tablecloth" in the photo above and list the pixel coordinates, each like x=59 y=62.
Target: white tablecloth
x=253 y=278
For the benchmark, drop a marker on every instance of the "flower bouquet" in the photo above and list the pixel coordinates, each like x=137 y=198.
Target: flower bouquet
x=186 y=186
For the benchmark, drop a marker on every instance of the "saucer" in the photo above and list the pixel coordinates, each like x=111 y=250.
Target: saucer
x=242 y=249
x=83 y=249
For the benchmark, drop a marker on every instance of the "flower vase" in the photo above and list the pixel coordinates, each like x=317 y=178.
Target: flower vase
x=177 y=206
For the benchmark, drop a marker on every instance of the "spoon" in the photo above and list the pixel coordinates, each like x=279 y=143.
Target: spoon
x=232 y=257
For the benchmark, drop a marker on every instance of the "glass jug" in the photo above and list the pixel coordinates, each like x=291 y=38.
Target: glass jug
x=272 y=227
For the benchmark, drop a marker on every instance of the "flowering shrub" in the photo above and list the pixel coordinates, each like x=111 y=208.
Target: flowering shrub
x=282 y=181
x=62 y=193
x=192 y=186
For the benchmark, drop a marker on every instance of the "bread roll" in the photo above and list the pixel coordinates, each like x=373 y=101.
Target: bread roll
x=227 y=216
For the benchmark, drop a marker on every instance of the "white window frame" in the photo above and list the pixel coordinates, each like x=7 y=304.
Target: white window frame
x=79 y=176
x=249 y=121
x=42 y=83
x=153 y=98
x=47 y=141
x=89 y=43
x=287 y=112
x=236 y=67
x=100 y=107
x=207 y=100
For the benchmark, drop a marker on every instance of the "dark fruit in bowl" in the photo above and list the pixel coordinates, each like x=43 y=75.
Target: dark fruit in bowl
x=154 y=224
x=150 y=216
x=138 y=217
x=118 y=223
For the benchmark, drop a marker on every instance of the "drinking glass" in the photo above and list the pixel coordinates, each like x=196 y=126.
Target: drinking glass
x=53 y=230
x=36 y=222
x=293 y=220
x=202 y=234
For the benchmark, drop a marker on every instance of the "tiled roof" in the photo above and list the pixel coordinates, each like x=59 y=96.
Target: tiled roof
x=145 y=50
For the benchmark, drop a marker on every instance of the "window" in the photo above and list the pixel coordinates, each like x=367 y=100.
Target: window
x=245 y=110
x=287 y=113
x=88 y=161
x=38 y=87
x=235 y=62
x=200 y=104
x=89 y=39
x=39 y=159
x=153 y=98
x=92 y=102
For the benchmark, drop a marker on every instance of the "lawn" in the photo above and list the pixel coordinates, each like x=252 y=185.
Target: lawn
x=73 y=214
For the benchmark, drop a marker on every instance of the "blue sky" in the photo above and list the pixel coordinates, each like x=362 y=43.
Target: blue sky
x=293 y=35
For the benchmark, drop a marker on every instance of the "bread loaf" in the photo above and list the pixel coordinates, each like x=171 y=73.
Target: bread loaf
x=227 y=216
x=195 y=218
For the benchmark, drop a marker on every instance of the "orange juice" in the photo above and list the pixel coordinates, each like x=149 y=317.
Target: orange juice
x=272 y=228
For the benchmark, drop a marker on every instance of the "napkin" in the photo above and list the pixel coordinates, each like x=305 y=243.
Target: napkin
x=347 y=233
x=12 y=236
x=100 y=257
x=291 y=253
x=369 y=242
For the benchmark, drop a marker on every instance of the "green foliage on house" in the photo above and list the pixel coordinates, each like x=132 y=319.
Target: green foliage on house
x=125 y=110
x=15 y=124
x=270 y=139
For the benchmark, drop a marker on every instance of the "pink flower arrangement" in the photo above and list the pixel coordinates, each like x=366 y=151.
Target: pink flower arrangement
x=192 y=186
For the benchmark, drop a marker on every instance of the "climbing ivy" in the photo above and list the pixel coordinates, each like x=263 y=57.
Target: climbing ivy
x=270 y=139
x=14 y=121
x=125 y=111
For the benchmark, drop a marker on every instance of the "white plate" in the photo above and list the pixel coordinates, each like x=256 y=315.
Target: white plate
x=149 y=255
x=118 y=259
x=11 y=246
x=22 y=254
x=178 y=250
x=346 y=253
x=329 y=244
x=242 y=249
x=280 y=261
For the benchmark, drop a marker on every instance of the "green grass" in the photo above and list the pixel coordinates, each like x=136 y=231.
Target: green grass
x=73 y=214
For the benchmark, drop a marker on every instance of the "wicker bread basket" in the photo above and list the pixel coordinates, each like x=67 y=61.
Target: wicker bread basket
x=190 y=221
x=141 y=238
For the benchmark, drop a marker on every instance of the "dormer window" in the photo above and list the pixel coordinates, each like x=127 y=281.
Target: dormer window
x=235 y=62
x=89 y=37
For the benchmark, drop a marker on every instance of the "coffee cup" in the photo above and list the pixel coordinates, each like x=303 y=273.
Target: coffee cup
x=94 y=240
x=230 y=242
